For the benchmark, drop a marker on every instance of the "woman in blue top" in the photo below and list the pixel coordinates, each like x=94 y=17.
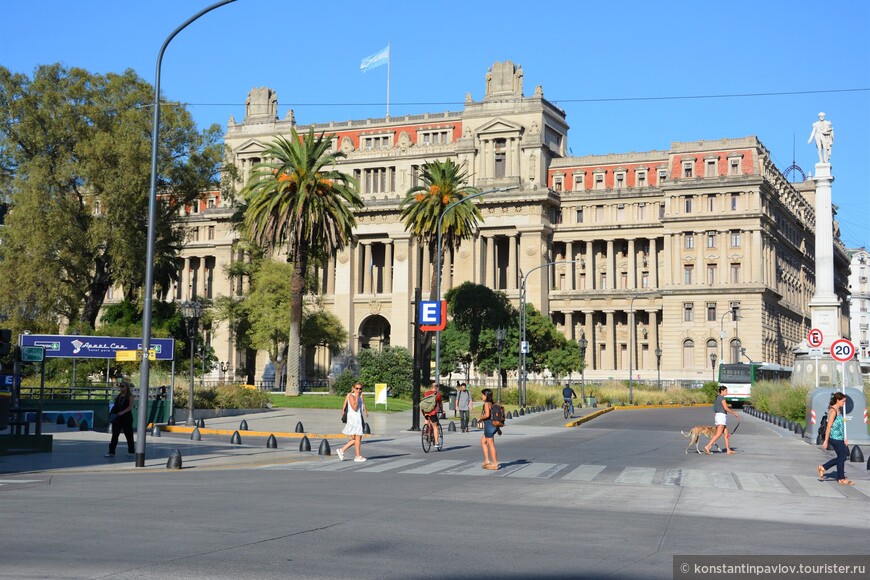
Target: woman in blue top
x=835 y=435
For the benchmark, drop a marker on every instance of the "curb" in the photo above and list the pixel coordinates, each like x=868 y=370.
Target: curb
x=675 y=406
x=589 y=417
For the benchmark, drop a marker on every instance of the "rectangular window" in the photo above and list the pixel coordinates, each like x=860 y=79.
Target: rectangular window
x=557 y=183
x=688 y=204
x=210 y=204
x=599 y=181
x=663 y=175
x=711 y=239
x=603 y=284
x=620 y=213
x=619 y=178
x=687 y=274
x=734 y=197
x=735 y=239
x=661 y=211
x=711 y=203
x=711 y=274
x=582 y=282
x=641 y=178
x=379 y=180
x=195 y=234
x=194 y=206
x=210 y=232
x=688 y=169
x=415 y=175
x=689 y=242
x=641 y=212
x=711 y=312
x=644 y=280
x=734 y=167
x=735 y=273
x=623 y=280
x=578 y=183
x=688 y=312
x=501 y=158
x=579 y=216
x=711 y=168
x=599 y=214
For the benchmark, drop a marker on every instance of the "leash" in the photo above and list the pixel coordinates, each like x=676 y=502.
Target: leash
x=737 y=427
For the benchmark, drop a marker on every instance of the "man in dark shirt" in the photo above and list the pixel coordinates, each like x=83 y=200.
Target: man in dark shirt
x=569 y=395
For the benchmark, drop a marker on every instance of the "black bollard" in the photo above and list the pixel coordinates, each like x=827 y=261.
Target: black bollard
x=155 y=431
x=174 y=461
x=299 y=427
x=366 y=429
x=60 y=420
x=451 y=426
x=797 y=427
x=522 y=412
x=857 y=456
x=516 y=414
x=802 y=430
x=171 y=421
x=195 y=435
x=305 y=444
x=243 y=426
x=236 y=439
x=84 y=427
x=324 y=448
x=271 y=442
x=71 y=422
x=200 y=423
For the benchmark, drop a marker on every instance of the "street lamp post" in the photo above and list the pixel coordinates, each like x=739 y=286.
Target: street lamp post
x=583 y=344
x=225 y=366
x=713 y=363
x=438 y=251
x=148 y=291
x=500 y=335
x=203 y=350
x=191 y=312
x=659 y=367
x=521 y=372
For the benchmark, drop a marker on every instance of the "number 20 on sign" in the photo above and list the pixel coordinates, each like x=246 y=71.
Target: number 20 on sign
x=842 y=350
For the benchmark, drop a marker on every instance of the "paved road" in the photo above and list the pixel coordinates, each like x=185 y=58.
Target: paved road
x=615 y=498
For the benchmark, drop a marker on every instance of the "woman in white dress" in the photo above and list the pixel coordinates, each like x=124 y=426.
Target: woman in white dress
x=355 y=407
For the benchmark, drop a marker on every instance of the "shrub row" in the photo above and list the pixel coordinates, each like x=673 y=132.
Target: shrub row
x=222 y=397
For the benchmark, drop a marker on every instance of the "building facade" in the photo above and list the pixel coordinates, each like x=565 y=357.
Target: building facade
x=859 y=305
x=702 y=248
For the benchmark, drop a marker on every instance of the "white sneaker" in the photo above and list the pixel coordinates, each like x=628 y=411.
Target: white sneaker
x=340 y=454
x=359 y=458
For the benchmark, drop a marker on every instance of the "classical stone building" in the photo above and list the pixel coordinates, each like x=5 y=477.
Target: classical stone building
x=859 y=305
x=669 y=241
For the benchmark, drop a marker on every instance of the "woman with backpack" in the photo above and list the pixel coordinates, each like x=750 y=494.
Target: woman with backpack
x=836 y=436
x=490 y=459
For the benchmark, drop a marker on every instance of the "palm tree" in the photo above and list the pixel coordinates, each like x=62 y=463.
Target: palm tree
x=444 y=182
x=296 y=198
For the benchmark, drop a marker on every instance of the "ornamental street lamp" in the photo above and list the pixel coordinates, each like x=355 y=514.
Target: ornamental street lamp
x=583 y=344
x=659 y=367
x=500 y=335
x=191 y=312
x=225 y=366
x=713 y=363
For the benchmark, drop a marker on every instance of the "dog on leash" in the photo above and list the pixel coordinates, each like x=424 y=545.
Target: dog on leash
x=695 y=433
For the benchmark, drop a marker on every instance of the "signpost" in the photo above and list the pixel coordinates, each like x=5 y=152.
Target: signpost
x=843 y=350
x=134 y=355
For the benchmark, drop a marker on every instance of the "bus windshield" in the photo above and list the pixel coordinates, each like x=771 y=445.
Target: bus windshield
x=735 y=373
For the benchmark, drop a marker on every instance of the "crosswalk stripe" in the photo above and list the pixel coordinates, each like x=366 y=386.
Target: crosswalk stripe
x=436 y=466
x=584 y=473
x=380 y=467
x=817 y=488
x=473 y=469
x=538 y=470
x=5 y=481
x=637 y=475
x=334 y=466
x=863 y=487
x=698 y=478
x=760 y=482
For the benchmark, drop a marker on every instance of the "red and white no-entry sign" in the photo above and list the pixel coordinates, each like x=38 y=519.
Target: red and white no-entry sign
x=814 y=338
x=842 y=350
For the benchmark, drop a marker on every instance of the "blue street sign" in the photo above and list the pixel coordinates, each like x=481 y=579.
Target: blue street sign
x=430 y=312
x=62 y=346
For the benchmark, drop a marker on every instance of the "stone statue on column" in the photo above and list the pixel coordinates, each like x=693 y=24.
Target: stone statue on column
x=823 y=133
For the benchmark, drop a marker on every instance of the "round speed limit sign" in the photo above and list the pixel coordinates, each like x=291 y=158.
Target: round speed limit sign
x=814 y=338
x=842 y=350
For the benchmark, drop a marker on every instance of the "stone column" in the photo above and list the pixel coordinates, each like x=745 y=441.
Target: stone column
x=667 y=260
x=569 y=255
x=611 y=276
x=610 y=329
x=632 y=265
x=653 y=330
x=490 y=262
x=512 y=262
x=388 y=267
x=653 y=264
x=367 y=268
x=591 y=283
x=569 y=325
x=700 y=264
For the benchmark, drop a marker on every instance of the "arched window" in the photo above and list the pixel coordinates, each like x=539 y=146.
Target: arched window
x=688 y=354
x=712 y=347
x=735 y=351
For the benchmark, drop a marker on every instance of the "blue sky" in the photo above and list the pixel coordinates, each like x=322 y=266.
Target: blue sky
x=578 y=51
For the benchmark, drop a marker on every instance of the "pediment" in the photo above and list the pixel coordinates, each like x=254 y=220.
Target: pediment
x=500 y=126
x=250 y=147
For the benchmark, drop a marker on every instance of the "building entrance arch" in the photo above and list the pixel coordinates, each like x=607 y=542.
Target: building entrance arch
x=374 y=333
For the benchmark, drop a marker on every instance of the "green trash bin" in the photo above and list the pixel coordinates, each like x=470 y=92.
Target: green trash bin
x=591 y=402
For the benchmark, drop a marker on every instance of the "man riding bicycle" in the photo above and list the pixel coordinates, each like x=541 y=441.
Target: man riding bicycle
x=569 y=395
x=431 y=417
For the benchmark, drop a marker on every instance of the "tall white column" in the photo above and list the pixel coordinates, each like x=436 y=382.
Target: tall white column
x=824 y=307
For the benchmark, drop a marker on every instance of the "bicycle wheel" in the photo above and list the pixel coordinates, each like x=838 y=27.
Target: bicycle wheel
x=426 y=437
x=567 y=409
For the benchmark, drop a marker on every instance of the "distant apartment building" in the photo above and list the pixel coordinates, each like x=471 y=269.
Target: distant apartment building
x=670 y=242
x=859 y=305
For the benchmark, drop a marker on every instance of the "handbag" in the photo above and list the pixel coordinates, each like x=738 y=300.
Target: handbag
x=344 y=415
x=112 y=417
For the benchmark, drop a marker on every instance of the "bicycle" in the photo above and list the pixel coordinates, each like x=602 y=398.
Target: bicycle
x=427 y=437
x=566 y=407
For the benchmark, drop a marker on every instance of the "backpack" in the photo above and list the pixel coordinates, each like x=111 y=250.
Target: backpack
x=427 y=403
x=823 y=426
x=496 y=414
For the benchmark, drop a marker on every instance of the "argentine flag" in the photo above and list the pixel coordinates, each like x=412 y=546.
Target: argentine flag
x=375 y=60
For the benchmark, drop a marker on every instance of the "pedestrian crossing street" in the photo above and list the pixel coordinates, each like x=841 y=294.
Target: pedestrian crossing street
x=796 y=485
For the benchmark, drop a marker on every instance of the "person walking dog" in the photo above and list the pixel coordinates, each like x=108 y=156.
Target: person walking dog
x=720 y=419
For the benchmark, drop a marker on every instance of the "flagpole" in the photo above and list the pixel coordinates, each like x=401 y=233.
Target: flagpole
x=389 y=56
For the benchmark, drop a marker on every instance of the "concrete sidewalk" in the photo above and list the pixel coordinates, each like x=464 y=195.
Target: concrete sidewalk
x=84 y=450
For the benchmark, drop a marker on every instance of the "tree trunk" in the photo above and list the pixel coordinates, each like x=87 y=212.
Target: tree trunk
x=297 y=288
x=96 y=293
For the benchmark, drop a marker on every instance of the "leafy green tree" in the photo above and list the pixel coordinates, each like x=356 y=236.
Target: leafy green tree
x=488 y=355
x=75 y=167
x=442 y=183
x=295 y=200
x=543 y=337
x=474 y=307
x=393 y=365
x=565 y=359
x=455 y=351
